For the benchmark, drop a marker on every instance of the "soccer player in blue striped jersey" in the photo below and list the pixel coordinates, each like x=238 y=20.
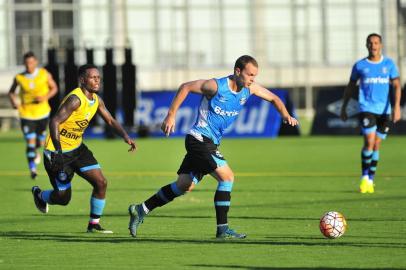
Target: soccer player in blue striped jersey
x=222 y=101
x=375 y=73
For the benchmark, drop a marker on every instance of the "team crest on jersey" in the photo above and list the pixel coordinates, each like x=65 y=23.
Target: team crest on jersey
x=243 y=100
x=365 y=70
x=87 y=115
x=82 y=123
x=384 y=70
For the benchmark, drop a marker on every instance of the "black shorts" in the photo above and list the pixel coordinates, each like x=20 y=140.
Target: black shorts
x=201 y=158
x=379 y=123
x=34 y=128
x=77 y=161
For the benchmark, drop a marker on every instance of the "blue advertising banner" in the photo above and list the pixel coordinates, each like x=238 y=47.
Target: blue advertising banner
x=257 y=119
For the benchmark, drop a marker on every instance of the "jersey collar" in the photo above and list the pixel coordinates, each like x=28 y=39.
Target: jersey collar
x=372 y=62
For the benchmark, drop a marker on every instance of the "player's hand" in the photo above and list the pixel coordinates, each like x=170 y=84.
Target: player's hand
x=168 y=125
x=343 y=115
x=131 y=143
x=291 y=121
x=396 y=114
x=57 y=161
x=39 y=99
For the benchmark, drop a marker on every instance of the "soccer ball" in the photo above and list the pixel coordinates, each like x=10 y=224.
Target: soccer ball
x=333 y=224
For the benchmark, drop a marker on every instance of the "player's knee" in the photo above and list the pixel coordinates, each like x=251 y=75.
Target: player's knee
x=62 y=197
x=184 y=183
x=101 y=184
x=231 y=177
x=190 y=187
x=185 y=186
x=64 y=201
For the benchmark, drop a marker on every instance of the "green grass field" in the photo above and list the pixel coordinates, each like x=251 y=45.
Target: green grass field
x=283 y=186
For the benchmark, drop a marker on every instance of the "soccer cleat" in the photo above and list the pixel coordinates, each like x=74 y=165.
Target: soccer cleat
x=39 y=203
x=136 y=218
x=229 y=233
x=96 y=228
x=37 y=159
x=366 y=186
x=371 y=187
x=33 y=174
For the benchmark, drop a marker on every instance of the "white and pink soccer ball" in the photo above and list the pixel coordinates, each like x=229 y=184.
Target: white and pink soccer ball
x=333 y=224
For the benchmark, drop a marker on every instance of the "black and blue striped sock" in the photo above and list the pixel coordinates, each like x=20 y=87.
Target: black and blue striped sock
x=366 y=156
x=30 y=153
x=374 y=164
x=222 y=199
x=165 y=195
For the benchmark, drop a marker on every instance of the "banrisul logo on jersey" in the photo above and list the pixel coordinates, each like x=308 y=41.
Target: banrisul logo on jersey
x=376 y=80
x=222 y=112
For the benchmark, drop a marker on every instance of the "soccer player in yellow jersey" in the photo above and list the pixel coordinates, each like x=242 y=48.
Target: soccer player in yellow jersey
x=66 y=154
x=36 y=87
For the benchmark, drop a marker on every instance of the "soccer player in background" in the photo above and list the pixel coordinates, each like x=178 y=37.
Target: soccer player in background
x=375 y=73
x=66 y=154
x=222 y=100
x=36 y=87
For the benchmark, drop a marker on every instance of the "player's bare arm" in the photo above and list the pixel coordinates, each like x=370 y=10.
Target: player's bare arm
x=396 y=104
x=63 y=113
x=12 y=94
x=352 y=85
x=267 y=95
x=53 y=89
x=109 y=119
x=203 y=87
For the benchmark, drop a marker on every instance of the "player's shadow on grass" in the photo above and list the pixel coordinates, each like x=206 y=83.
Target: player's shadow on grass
x=269 y=268
x=114 y=239
x=270 y=218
